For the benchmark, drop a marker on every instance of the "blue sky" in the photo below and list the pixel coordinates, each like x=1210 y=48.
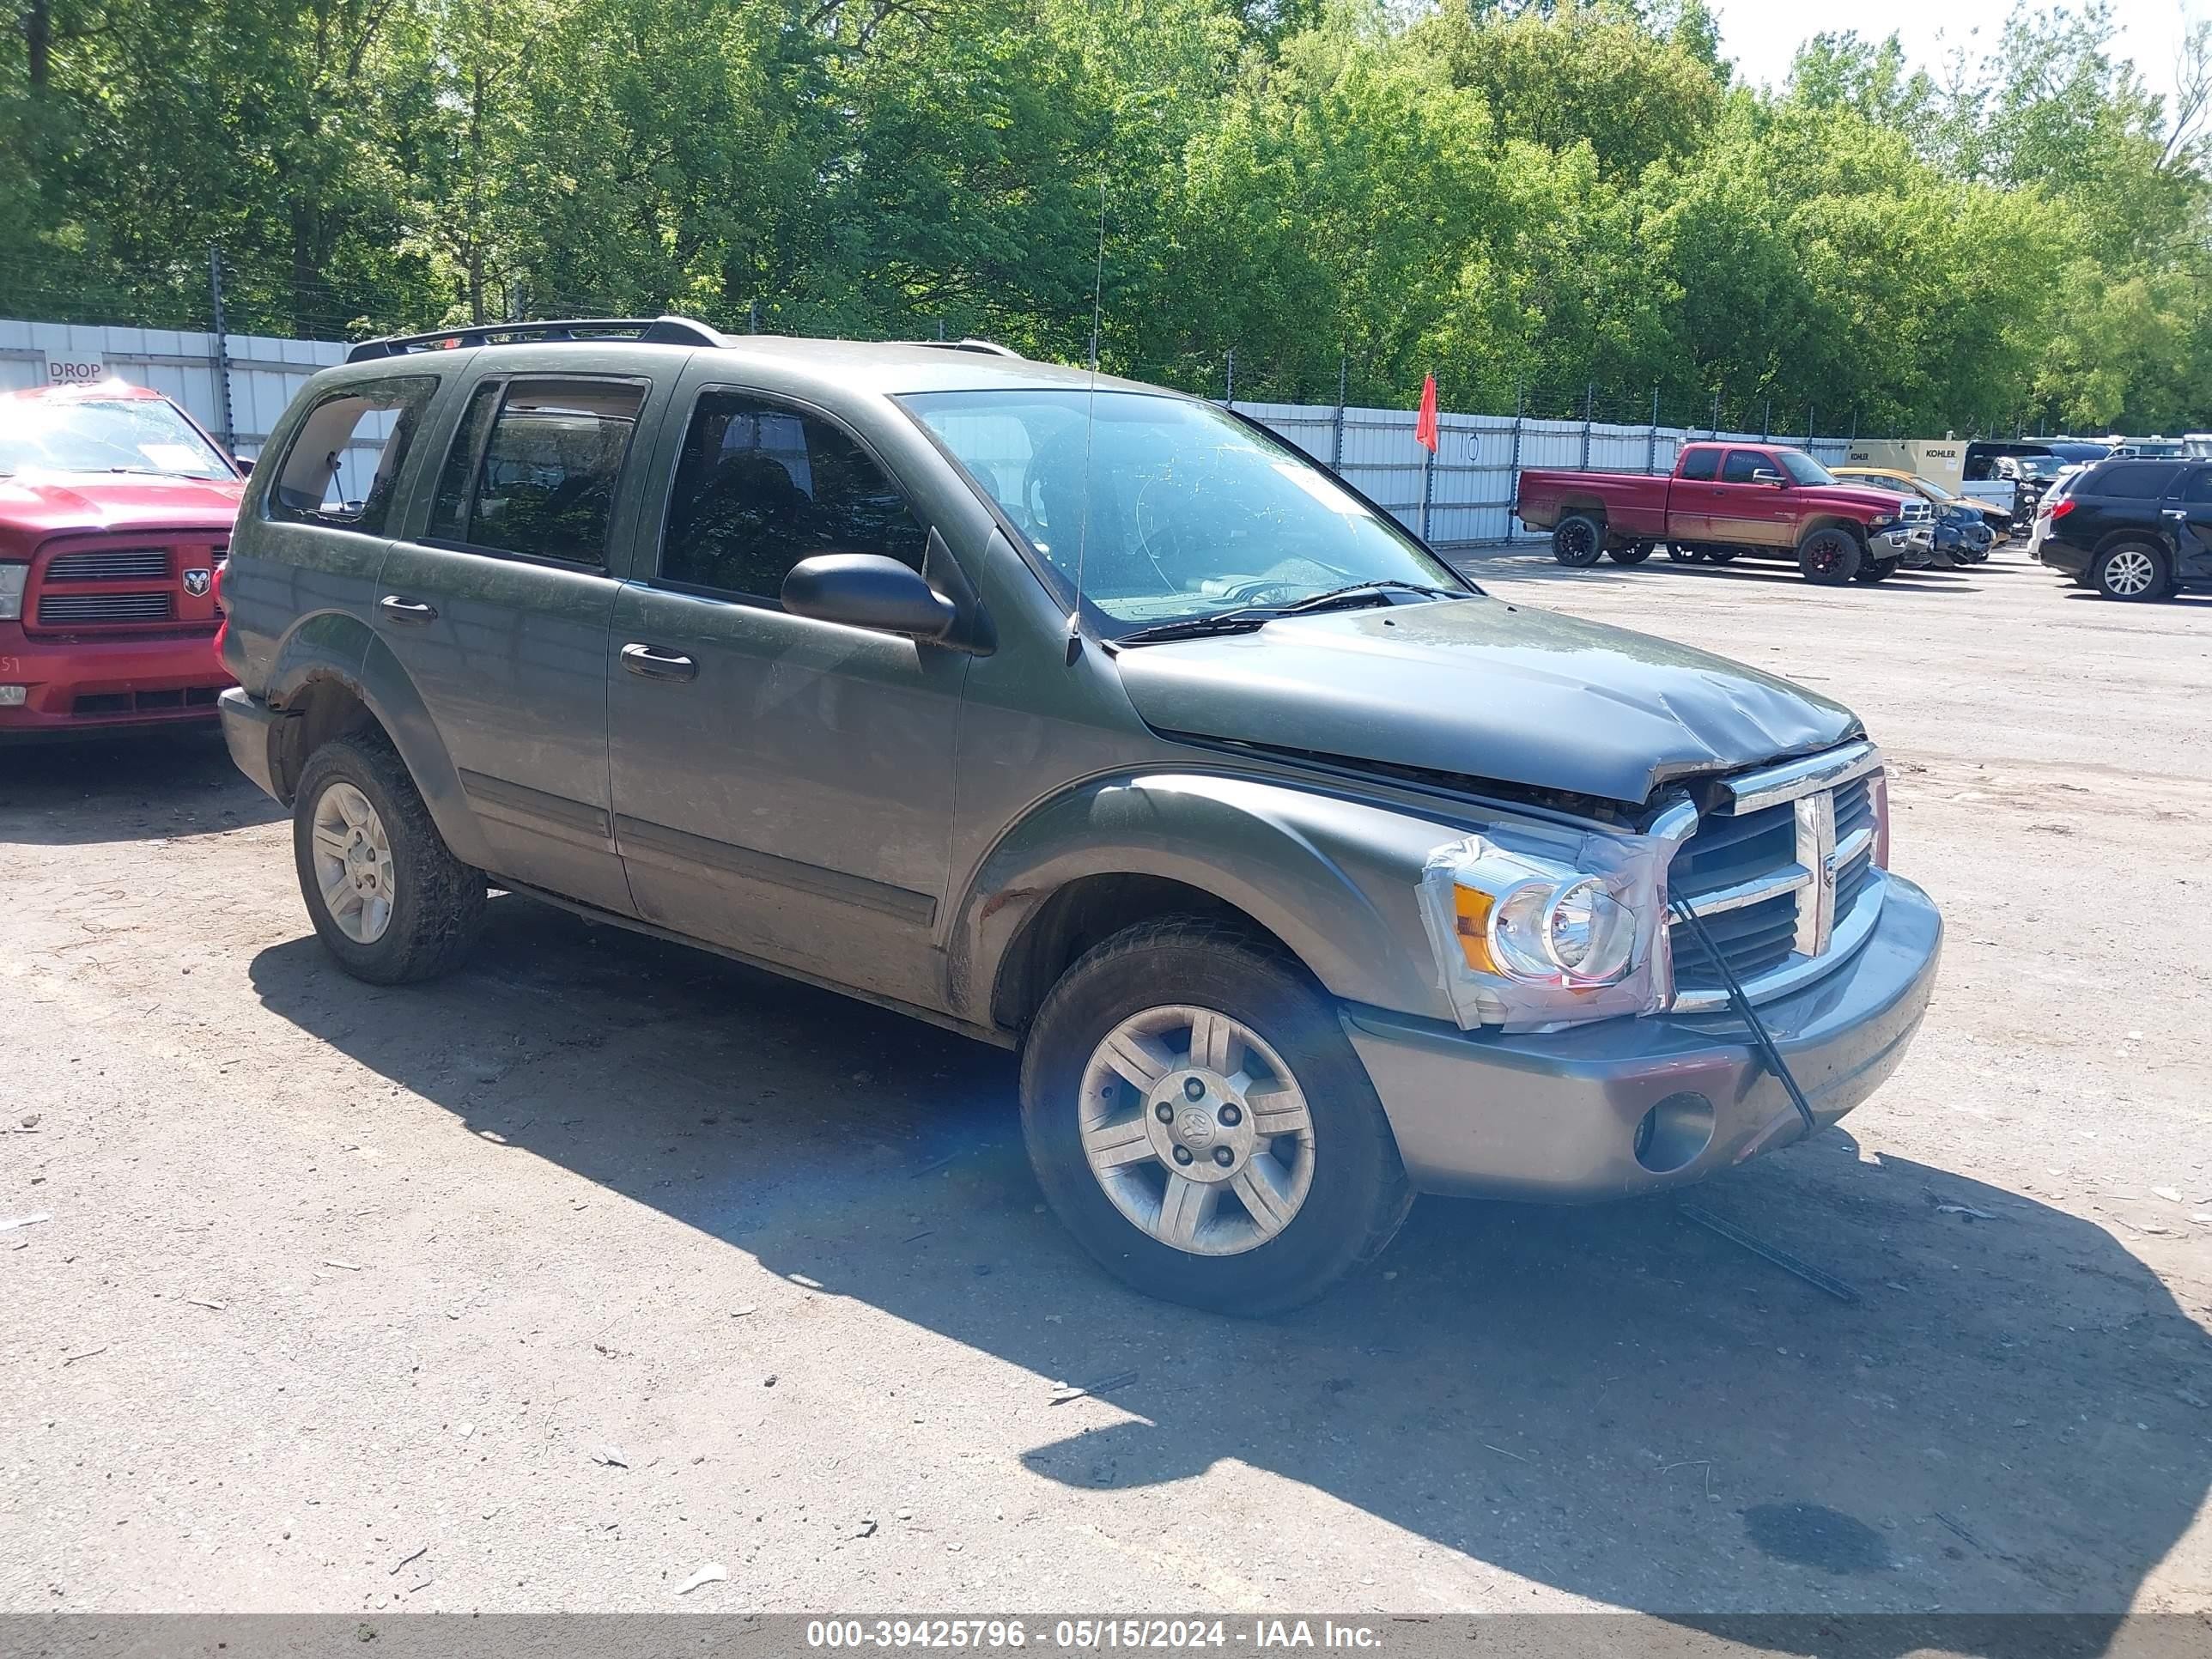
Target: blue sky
x=1761 y=35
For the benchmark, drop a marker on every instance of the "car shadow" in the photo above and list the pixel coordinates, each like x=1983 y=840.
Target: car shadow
x=2186 y=600
x=1613 y=1401
x=162 y=785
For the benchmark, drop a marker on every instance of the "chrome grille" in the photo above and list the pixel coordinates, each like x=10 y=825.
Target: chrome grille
x=1781 y=871
x=62 y=609
x=110 y=564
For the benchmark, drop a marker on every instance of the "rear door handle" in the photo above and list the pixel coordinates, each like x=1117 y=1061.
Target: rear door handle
x=658 y=665
x=411 y=612
x=2174 y=512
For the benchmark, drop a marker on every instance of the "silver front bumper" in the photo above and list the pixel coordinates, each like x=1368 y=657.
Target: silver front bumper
x=1557 y=1117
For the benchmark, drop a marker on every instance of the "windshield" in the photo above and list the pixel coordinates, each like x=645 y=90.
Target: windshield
x=121 y=435
x=1803 y=468
x=1171 y=508
x=1874 y=481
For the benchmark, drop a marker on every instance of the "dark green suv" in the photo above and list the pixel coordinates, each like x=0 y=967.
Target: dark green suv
x=1081 y=717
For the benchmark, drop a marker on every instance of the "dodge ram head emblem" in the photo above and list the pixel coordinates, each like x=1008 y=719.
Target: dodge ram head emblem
x=196 y=583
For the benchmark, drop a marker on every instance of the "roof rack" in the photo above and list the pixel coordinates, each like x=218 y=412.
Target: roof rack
x=989 y=347
x=639 y=331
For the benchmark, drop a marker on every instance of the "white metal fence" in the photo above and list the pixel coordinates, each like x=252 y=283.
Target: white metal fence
x=1463 y=493
x=262 y=372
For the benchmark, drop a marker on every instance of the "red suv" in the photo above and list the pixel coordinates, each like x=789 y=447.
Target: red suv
x=115 y=513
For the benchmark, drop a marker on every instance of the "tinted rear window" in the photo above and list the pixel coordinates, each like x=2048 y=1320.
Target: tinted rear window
x=1700 y=464
x=2133 y=481
x=2198 y=488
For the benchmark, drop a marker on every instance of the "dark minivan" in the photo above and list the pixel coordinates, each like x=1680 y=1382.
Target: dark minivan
x=2130 y=529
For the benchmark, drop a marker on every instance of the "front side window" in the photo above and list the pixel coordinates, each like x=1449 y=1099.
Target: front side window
x=2197 y=492
x=108 y=434
x=343 y=464
x=1802 y=468
x=759 y=487
x=537 y=477
x=1161 y=508
x=1740 y=465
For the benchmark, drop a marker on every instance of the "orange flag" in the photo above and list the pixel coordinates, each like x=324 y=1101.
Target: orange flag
x=1425 y=429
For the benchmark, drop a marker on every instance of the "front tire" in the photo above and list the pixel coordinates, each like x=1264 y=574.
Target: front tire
x=1633 y=553
x=1198 y=1120
x=1877 y=570
x=389 y=900
x=2134 y=571
x=1577 y=540
x=1830 y=556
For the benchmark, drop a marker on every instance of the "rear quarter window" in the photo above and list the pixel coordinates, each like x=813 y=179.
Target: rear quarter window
x=2133 y=481
x=1699 y=465
x=343 y=464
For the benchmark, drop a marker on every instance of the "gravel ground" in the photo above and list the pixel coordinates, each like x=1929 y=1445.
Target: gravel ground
x=541 y=1286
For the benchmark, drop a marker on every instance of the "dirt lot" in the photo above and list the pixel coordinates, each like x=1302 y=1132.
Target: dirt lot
x=540 y=1287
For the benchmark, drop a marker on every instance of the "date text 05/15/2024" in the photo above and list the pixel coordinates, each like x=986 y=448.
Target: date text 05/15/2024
x=1090 y=1635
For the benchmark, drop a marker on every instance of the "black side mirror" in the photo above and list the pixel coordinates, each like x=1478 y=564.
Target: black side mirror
x=866 y=590
x=244 y=463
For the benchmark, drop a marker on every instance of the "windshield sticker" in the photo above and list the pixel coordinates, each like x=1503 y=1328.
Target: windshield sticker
x=173 y=458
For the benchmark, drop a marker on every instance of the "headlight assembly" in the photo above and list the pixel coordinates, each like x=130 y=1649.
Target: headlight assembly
x=1555 y=928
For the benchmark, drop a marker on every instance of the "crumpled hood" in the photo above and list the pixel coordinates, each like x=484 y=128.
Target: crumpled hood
x=1483 y=688
x=39 y=502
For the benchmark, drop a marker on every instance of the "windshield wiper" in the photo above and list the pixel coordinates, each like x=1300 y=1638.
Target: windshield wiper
x=1243 y=619
x=1338 y=595
x=1195 y=627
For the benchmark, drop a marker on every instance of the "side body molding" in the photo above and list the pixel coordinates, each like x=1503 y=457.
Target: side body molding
x=1333 y=878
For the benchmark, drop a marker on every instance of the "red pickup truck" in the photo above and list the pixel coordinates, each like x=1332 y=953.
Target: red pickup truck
x=115 y=512
x=1723 y=499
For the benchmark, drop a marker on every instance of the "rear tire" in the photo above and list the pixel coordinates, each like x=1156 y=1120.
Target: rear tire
x=1830 y=556
x=389 y=900
x=1634 y=553
x=1335 y=1190
x=2134 y=571
x=1681 y=554
x=1877 y=570
x=1577 y=540
x=1720 y=554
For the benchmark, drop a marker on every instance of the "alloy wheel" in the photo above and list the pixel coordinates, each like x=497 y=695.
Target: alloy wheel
x=1196 y=1130
x=353 y=863
x=2129 y=572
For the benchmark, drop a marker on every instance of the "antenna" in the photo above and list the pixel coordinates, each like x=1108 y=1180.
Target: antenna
x=1089 y=429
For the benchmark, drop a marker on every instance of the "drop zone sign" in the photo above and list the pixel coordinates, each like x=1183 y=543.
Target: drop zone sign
x=73 y=368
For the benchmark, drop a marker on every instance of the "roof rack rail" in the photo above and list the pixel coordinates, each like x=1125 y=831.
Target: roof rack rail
x=989 y=347
x=638 y=331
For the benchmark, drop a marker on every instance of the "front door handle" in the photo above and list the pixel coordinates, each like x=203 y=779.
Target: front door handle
x=658 y=665
x=413 y=612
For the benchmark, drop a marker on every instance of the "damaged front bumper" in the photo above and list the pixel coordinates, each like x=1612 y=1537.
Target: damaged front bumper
x=1638 y=1104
